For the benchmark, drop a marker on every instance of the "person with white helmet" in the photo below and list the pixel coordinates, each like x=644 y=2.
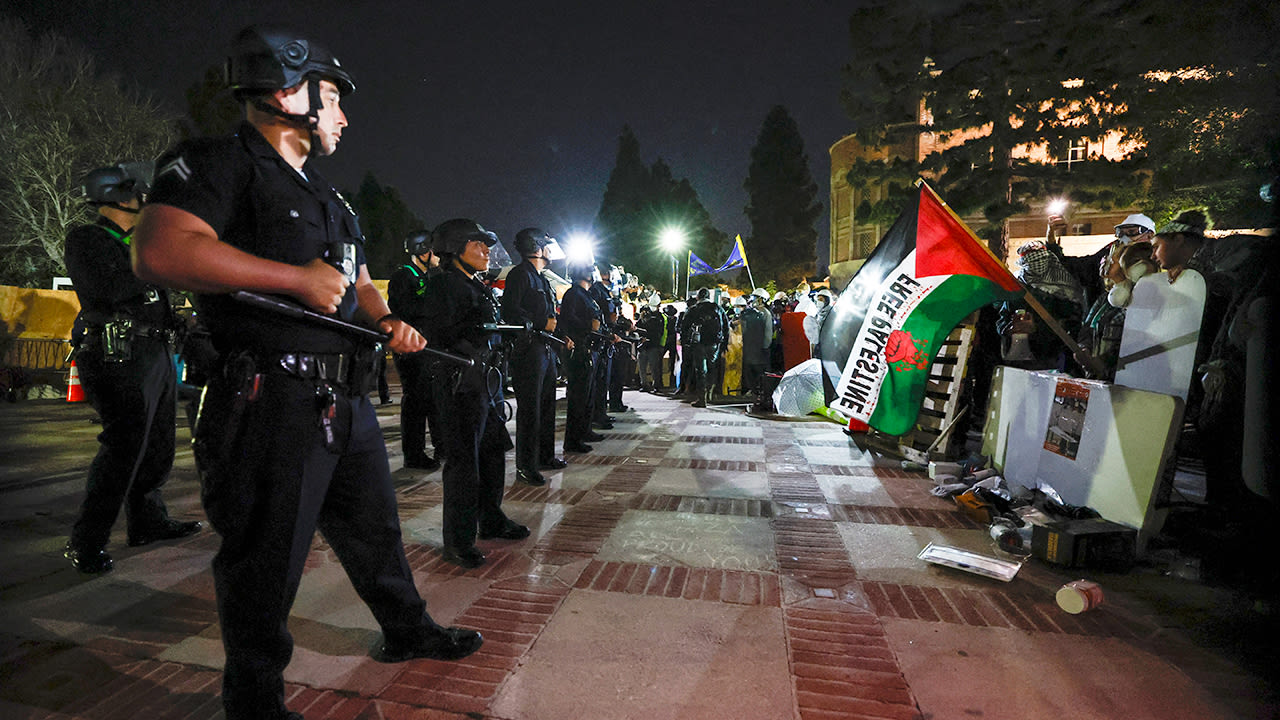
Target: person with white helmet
x=813 y=322
x=1089 y=270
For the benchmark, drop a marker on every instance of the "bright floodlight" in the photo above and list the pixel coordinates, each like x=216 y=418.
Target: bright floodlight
x=1056 y=207
x=672 y=239
x=579 y=248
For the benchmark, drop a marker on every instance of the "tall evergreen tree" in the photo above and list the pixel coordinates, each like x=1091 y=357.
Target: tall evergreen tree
x=640 y=202
x=782 y=203
x=385 y=221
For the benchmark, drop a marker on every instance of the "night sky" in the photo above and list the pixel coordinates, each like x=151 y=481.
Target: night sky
x=509 y=112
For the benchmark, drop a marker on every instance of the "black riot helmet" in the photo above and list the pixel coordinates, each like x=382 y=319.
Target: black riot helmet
x=530 y=240
x=118 y=184
x=418 y=243
x=271 y=57
x=581 y=271
x=451 y=236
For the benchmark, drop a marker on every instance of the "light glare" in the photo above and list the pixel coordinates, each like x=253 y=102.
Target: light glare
x=579 y=248
x=672 y=239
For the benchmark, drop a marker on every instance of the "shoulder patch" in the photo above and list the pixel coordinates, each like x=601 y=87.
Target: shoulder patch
x=178 y=166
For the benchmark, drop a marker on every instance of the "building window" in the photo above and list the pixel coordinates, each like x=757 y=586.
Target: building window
x=1077 y=151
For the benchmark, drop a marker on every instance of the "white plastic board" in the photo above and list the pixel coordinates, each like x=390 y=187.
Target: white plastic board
x=1161 y=327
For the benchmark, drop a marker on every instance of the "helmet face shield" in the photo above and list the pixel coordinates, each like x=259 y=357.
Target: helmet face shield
x=552 y=251
x=530 y=240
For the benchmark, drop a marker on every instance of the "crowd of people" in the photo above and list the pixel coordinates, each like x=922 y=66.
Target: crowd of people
x=286 y=439
x=295 y=337
x=1089 y=296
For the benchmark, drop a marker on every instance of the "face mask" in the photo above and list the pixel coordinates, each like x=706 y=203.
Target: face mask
x=1120 y=295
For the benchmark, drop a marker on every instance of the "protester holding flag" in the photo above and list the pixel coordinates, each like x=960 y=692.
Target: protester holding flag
x=1059 y=291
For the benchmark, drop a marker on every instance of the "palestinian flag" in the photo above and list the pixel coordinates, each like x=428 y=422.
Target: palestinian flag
x=928 y=272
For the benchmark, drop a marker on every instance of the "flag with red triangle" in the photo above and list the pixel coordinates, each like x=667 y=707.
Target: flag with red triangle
x=928 y=272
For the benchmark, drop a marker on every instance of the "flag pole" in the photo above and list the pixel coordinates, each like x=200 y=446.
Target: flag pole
x=688 y=264
x=1081 y=355
x=742 y=246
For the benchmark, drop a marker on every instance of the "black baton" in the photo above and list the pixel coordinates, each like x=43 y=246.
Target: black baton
x=521 y=328
x=290 y=310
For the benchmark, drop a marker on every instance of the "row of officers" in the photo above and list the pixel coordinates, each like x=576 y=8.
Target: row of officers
x=286 y=440
x=526 y=336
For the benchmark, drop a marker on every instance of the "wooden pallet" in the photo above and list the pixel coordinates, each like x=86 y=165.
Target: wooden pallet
x=944 y=402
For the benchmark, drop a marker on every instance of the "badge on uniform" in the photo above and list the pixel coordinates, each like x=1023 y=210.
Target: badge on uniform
x=348 y=264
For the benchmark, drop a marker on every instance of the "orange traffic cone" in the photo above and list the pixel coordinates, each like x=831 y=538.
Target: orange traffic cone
x=75 y=391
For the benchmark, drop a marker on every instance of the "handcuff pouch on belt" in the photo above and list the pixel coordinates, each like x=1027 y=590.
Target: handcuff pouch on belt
x=484 y=375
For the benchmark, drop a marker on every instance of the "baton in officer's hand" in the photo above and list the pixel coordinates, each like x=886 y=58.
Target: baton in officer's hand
x=495 y=327
x=290 y=310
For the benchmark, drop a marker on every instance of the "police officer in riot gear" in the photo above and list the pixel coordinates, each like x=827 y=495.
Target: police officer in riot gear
x=407 y=298
x=476 y=440
x=287 y=440
x=705 y=333
x=602 y=293
x=125 y=361
x=528 y=300
x=580 y=322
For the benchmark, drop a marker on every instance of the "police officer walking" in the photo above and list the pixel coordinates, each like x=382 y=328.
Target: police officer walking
x=528 y=300
x=580 y=323
x=407 y=298
x=126 y=366
x=287 y=439
x=476 y=439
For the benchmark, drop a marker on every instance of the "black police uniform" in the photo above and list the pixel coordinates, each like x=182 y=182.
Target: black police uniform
x=704 y=335
x=717 y=373
x=653 y=323
x=528 y=300
x=476 y=438
x=130 y=380
x=577 y=311
x=603 y=298
x=685 y=386
x=407 y=298
x=287 y=440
